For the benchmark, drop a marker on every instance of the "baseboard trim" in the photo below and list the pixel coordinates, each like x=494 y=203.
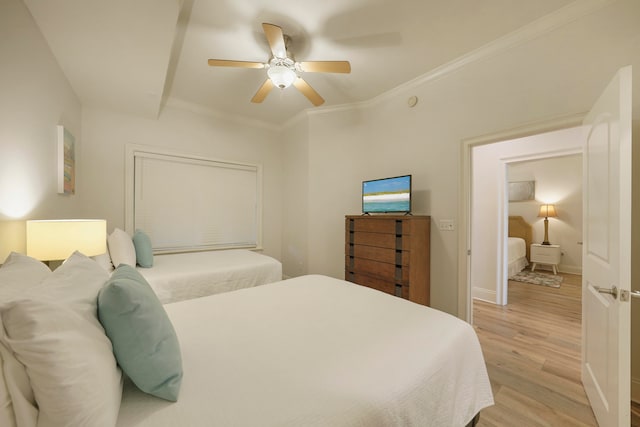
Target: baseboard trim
x=488 y=295
x=570 y=269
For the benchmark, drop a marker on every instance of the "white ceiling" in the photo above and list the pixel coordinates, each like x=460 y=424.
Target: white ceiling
x=134 y=55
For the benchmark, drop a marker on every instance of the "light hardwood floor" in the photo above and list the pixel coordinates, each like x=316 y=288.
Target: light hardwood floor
x=532 y=351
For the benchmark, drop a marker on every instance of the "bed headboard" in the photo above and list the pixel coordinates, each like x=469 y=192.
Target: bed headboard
x=518 y=227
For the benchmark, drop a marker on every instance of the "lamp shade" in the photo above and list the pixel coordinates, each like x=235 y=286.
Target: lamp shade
x=547 y=211
x=50 y=240
x=281 y=76
x=12 y=238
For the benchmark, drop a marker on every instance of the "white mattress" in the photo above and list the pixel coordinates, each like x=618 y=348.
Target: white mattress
x=517 y=259
x=517 y=248
x=177 y=277
x=317 y=351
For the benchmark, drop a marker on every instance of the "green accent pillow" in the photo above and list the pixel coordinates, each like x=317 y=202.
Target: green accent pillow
x=144 y=341
x=144 y=252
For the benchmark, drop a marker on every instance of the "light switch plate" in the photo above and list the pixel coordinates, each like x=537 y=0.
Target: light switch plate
x=446 y=225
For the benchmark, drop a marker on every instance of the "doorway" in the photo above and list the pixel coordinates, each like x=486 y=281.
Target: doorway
x=489 y=203
x=550 y=181
x=532 y=347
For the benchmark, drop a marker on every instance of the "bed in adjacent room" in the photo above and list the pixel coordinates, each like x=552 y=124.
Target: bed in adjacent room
x=177 y=277
x=518 y=244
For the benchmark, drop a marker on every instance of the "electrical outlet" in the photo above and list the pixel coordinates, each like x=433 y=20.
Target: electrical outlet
x=446 y=225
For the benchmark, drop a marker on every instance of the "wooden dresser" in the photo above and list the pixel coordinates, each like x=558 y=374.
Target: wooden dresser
x=389 y=253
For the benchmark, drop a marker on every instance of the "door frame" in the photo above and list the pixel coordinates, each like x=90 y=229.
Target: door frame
x=465 y=301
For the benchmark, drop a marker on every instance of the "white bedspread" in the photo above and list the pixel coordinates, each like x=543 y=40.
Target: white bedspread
x=517 y=248
x=176 y=277
x=317 y=351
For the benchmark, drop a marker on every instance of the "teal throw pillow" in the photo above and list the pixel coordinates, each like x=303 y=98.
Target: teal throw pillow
x=144 y=341
x=144 y=252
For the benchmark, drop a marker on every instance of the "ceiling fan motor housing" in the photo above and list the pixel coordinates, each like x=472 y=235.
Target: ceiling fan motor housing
x=282 y=72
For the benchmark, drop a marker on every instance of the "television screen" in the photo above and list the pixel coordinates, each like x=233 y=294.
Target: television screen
x=387 y=195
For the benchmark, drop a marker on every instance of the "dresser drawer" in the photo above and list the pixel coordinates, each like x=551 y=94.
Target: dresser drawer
x=379 y=225
x=545 y=254
x=388 y=255
x=386 y=286
x=379 y=240
x=377 y=269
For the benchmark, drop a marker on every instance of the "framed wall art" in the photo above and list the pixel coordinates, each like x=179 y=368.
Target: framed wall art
x=520 y=191
x=66 y=161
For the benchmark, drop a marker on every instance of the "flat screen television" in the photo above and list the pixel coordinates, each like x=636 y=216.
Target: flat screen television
x=387 y=195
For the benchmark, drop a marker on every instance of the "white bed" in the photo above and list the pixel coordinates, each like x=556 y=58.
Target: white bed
x=317 y=351
x=177 y=277
x=517 y=260
x=518 y=245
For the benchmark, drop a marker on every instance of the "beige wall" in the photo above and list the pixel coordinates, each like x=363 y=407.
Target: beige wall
x=107 y=133
x=295 y=190
x=558 y=180
x=35 y=97
x=540 y=79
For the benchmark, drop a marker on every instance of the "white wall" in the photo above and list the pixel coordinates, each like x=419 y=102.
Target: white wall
x=35 y=97
x=547 y=77
x=558 y=181
x=107 y=133
x=489 y=203
x=295 y=210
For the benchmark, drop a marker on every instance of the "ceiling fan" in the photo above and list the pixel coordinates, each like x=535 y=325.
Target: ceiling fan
x=282 y=70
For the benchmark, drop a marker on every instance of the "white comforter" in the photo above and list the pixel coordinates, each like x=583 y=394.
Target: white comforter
x=517 y=248
x=317 y=351
x=177 y=277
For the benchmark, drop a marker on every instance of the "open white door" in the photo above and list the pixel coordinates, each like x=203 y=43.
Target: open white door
x=606 y=311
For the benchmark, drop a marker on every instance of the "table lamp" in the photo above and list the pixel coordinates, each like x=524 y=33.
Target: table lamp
x=547 y=211
x=52 y=240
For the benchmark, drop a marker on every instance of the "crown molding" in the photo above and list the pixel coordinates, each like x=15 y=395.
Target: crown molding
x=544 y=25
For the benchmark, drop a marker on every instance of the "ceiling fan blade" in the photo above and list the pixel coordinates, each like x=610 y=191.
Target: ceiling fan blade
x=308 y=91
x=326 y=66
x=262 y=93
x=241 y=64
x=275 y=39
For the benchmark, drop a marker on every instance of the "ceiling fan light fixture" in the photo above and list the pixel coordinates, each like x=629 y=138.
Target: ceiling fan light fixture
x=281 y=76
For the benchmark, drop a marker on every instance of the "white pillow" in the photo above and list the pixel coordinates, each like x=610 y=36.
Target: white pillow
x=121 y=248
x=18 y=273
x=55 y=334
x=104 y=260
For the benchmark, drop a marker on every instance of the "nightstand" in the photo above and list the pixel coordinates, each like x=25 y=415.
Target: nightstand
x=545 y=254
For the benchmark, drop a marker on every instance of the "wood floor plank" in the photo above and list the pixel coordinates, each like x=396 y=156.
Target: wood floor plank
x=532 y=350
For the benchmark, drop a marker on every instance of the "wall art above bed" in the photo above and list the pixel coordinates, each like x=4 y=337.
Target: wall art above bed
x=66 y=161
x=520 y=191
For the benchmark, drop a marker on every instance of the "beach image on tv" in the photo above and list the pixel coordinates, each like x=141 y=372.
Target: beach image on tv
x=387 y=195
